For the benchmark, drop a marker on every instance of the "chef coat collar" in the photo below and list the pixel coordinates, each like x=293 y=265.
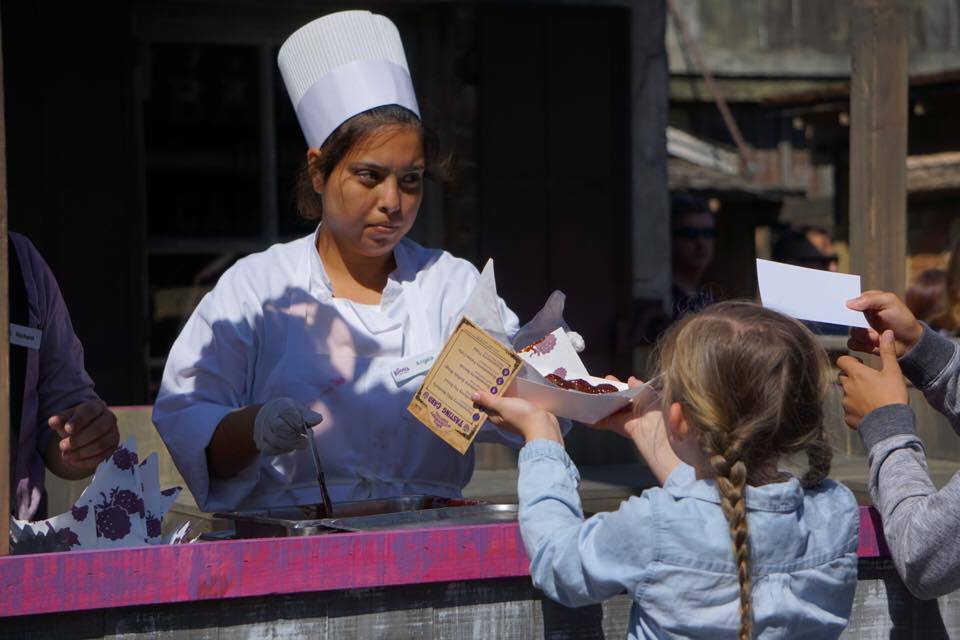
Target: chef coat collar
x=321 y=288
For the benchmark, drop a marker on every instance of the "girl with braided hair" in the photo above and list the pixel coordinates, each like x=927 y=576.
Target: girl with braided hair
x=731 y=546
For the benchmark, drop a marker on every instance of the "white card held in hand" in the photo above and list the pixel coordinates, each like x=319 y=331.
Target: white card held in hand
x=809 y=294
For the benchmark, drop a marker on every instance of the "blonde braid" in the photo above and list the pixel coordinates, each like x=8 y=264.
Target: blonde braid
x=819 y=456
x=730 y=473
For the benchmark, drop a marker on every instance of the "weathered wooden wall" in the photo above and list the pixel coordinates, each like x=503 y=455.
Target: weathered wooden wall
x=482 y=610
x=490 y=609
x=801 y=40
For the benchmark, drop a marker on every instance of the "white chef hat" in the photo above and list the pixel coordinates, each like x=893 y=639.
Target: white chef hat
x=343 y=64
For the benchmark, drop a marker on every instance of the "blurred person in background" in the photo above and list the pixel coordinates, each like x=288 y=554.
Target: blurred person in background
x=927 y=296
x=693 y=231
x=948 y=322
x=812 y=248
x=809 y=247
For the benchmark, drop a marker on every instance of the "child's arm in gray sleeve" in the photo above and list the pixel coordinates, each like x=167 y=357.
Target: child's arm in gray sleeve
x=933 y=366
x=921 y=524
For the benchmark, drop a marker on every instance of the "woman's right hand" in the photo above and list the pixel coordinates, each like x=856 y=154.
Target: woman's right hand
x=282 y=425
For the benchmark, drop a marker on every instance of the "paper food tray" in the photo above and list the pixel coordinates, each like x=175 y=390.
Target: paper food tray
x=583 y=407
x=483 y=309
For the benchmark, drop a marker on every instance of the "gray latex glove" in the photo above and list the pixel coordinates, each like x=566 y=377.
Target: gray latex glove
x=282 y=425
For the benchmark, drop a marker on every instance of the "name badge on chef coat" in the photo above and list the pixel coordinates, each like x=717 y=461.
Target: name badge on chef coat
x=412 y=367
x=25 y=336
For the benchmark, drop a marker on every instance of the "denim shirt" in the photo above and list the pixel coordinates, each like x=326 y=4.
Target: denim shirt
x=670 y=550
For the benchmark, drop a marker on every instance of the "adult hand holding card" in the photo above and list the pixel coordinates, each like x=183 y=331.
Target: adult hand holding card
x=809 y=294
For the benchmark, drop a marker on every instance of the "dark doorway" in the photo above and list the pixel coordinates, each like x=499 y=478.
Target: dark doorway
x=553 y=162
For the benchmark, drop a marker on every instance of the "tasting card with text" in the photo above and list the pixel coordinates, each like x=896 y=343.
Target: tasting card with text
x=470 y=361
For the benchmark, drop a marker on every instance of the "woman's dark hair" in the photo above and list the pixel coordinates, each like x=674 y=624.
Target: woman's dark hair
x=354 y=131
x=927 y=295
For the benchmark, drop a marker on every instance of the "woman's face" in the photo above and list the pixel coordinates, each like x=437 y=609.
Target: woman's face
x=371 y=198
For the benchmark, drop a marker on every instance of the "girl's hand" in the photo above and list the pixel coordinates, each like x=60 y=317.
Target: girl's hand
x=625 y=421
x=645 y=426
x=519 y=416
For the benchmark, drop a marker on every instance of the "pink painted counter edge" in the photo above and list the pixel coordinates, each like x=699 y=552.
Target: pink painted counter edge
x=83 y=580
x=871 y=543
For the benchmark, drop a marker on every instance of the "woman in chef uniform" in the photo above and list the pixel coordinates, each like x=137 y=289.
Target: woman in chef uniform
x=326 y=335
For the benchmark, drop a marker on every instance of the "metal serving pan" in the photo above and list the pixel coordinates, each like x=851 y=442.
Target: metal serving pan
x=441 y=517
x=366 y=515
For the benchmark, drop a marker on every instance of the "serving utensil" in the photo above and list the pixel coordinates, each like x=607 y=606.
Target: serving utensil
x=326 y=506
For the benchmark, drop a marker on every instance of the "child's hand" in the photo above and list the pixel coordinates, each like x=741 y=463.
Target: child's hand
x=519 y=416
x=883 y=311
x=625 y=421
x=865 y=389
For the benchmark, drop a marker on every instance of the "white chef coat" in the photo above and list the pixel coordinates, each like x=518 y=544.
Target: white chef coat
x=272 y=328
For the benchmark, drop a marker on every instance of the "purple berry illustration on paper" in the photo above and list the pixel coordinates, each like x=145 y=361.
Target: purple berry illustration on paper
x=130 y=502
x=476 y=417
x=505 y=372
x=499 y=380
x=493 y=390
x=153 y=526
x=545 y=346
x=113 y=523
x=124 y=459
x=66 y=538
x=113 y=513
x=79 y=513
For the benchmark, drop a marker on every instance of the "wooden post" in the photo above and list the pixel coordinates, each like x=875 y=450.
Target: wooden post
x=649 y=197
x=5 y=462
x=649 y=105
x=878 y=142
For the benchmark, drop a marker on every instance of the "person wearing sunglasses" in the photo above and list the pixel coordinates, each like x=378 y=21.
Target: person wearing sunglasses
x=809 y=247
x=693 y=230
